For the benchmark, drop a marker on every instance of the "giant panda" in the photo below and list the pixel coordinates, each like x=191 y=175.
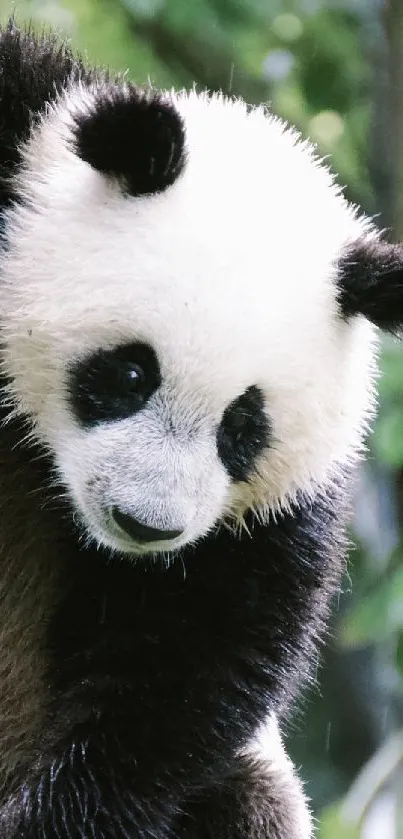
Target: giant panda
x=189 y=319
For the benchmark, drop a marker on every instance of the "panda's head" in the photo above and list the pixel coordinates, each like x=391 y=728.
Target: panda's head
x=182 y=289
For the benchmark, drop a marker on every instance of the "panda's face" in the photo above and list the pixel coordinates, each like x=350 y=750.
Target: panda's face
x=182 y=354
x=152 y=453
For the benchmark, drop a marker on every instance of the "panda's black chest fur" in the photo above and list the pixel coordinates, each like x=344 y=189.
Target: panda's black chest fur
x=154 y=676
x=156 y=667
x=223 y=608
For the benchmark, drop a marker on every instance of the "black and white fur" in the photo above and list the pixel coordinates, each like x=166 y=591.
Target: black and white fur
x=188 y=336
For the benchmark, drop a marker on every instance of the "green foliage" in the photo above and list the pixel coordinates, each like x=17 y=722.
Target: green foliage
x=378 y=616
x=388 y=438
x=334 y=826
x=399 y=652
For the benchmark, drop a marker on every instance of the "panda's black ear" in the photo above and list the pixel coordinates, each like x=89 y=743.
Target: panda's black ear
x=134 y=135
x=371 y=283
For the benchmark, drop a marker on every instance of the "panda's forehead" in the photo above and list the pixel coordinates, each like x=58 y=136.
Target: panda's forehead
x=202 y=304
x=247 y=180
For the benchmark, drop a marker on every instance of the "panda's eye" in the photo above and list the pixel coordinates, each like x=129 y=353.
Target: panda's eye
x=135 y=374
x=132 y=377
x=113 y=384
x=243 y=434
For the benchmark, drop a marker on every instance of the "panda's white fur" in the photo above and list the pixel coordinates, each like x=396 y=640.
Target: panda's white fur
x=231 y=275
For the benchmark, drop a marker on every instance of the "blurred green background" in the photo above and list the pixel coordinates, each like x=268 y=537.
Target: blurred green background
x=335 y=68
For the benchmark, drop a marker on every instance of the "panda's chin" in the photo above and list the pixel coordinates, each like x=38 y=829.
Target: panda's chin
x=123 y=545
x=137 y=550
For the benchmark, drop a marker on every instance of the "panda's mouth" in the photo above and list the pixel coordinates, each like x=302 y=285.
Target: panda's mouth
x=124 y=532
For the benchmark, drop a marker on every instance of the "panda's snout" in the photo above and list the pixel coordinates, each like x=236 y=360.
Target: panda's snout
x=139 y=532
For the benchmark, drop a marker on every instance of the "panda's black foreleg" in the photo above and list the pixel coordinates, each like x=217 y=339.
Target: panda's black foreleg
x=260 y=801
x=84 y=792
x=80 y=796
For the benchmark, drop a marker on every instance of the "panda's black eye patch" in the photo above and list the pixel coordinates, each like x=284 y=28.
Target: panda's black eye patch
x=113 y=384
x=244 y=432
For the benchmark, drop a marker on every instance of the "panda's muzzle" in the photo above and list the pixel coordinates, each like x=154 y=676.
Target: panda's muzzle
x=139 y=532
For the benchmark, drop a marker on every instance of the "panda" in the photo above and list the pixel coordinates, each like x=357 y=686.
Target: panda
x=189 y=327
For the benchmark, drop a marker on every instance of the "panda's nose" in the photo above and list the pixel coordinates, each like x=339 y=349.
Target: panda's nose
x=142 y=533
